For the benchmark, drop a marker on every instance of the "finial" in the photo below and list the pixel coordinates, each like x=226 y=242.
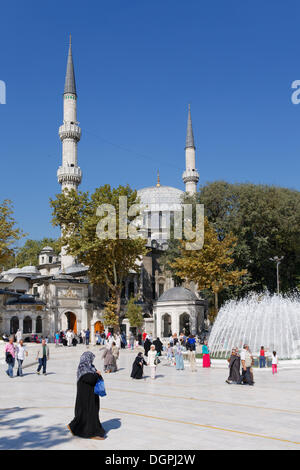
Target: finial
x=70 y=39
x=158 y=180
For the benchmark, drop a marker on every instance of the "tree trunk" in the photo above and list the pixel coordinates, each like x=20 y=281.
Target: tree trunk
x=118 y=309
x=216 y=303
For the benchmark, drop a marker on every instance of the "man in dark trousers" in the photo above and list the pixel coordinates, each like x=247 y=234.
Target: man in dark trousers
x=43 y=357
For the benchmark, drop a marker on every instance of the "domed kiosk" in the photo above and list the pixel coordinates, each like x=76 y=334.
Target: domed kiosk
x=179 y=310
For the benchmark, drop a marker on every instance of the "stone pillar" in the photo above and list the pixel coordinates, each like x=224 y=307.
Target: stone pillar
x=174 y=323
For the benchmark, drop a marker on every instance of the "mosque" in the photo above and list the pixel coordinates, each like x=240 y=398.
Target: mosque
x=56 y=294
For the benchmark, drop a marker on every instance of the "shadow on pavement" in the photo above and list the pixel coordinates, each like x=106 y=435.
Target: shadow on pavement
x=20 y=434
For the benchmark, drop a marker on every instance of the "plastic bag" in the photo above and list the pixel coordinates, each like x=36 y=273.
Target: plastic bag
x=99 y=388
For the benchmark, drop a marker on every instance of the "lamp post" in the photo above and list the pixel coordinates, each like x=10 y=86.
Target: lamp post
x=277 y=260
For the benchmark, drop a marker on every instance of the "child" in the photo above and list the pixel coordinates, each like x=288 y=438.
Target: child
x=169 y=354
x=274 y=362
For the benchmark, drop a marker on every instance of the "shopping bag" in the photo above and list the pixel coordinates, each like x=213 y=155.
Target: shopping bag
x=99 y=388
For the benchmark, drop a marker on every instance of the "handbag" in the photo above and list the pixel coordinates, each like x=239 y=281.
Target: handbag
x=9 y=358
x=99 y=388
x=156 y=361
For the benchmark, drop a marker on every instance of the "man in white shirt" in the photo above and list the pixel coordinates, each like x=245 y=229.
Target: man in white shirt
x=246 y=360
x=20 y=355
x=69 y=337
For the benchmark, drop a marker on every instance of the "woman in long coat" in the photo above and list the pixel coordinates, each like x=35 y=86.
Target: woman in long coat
x=158 y=346
x=138 y=367
x=110 y=364
x=206 y=355
x=86 y=422
x=178 y=356
x=234 y=368
x=147 y=346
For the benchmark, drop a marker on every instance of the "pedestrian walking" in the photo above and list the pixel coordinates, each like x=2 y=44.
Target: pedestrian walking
x=115 y=353
x=20 y=355
x=274 y=362
x=10 y=354
x=178 y=356
x=158 y=346
x=110 y=364
x=86 y=422
x=43 y=356
x=131 y=341
x=262 y=357
x=206 y=355
x=152 y=361
x=191 y=347
x=234 y=364
x=87 y=337
x=246 y=359
x=138 y=367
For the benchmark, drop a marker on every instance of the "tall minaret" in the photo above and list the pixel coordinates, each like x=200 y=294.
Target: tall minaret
x=69 y=173
x=190 y=176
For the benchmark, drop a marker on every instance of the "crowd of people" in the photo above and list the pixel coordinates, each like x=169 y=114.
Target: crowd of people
x=86 y=422
x=241 y=365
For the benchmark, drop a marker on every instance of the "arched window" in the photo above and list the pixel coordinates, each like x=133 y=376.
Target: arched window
x=185 y=324
x=39 y=325
x=166 y=325
x=14 y=325
x=27 y=325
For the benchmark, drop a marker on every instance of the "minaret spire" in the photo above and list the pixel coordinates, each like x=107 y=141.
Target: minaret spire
x=189 y=142
x=69 y=173
x=70 y=85
x=190 y=176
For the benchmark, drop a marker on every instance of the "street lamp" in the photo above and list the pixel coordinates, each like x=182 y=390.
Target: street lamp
x=277 y=261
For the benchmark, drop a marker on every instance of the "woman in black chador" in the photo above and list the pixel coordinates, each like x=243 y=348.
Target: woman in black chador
x=234 y=368
x=86 y=422
x=138 y=367
x=147 y=345
x=158 y=346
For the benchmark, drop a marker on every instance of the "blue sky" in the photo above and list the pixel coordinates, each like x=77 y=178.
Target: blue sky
x=138 y=64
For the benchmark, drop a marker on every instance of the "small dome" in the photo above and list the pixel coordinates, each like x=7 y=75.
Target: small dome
x=46 y=248
x=177 y=294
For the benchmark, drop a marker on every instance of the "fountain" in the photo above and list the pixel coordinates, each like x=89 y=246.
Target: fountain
x=272 y=321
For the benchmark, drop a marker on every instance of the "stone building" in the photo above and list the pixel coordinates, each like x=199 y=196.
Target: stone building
x=57 y=293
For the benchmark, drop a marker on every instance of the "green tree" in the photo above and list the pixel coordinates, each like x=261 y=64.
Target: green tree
x=109 y=260
x=28 y=254
x=134 y=313
x=9 y=233
x=110 y=316
x=210 y=267
x=266 y=222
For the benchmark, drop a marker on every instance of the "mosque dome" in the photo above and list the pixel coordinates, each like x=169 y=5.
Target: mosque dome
x=177 y=294
x=160 y=198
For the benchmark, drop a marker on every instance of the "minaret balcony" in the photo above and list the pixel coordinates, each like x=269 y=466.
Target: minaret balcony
x=190 y=175
x=70 y=131
x=69 y=174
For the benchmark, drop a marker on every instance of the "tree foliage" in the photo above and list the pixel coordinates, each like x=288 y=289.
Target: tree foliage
x=110 y=316
x=134 y=313
x=9 y=233
x=211 y=267
x=28 y=254
x=266 y=222
x=109 y=260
